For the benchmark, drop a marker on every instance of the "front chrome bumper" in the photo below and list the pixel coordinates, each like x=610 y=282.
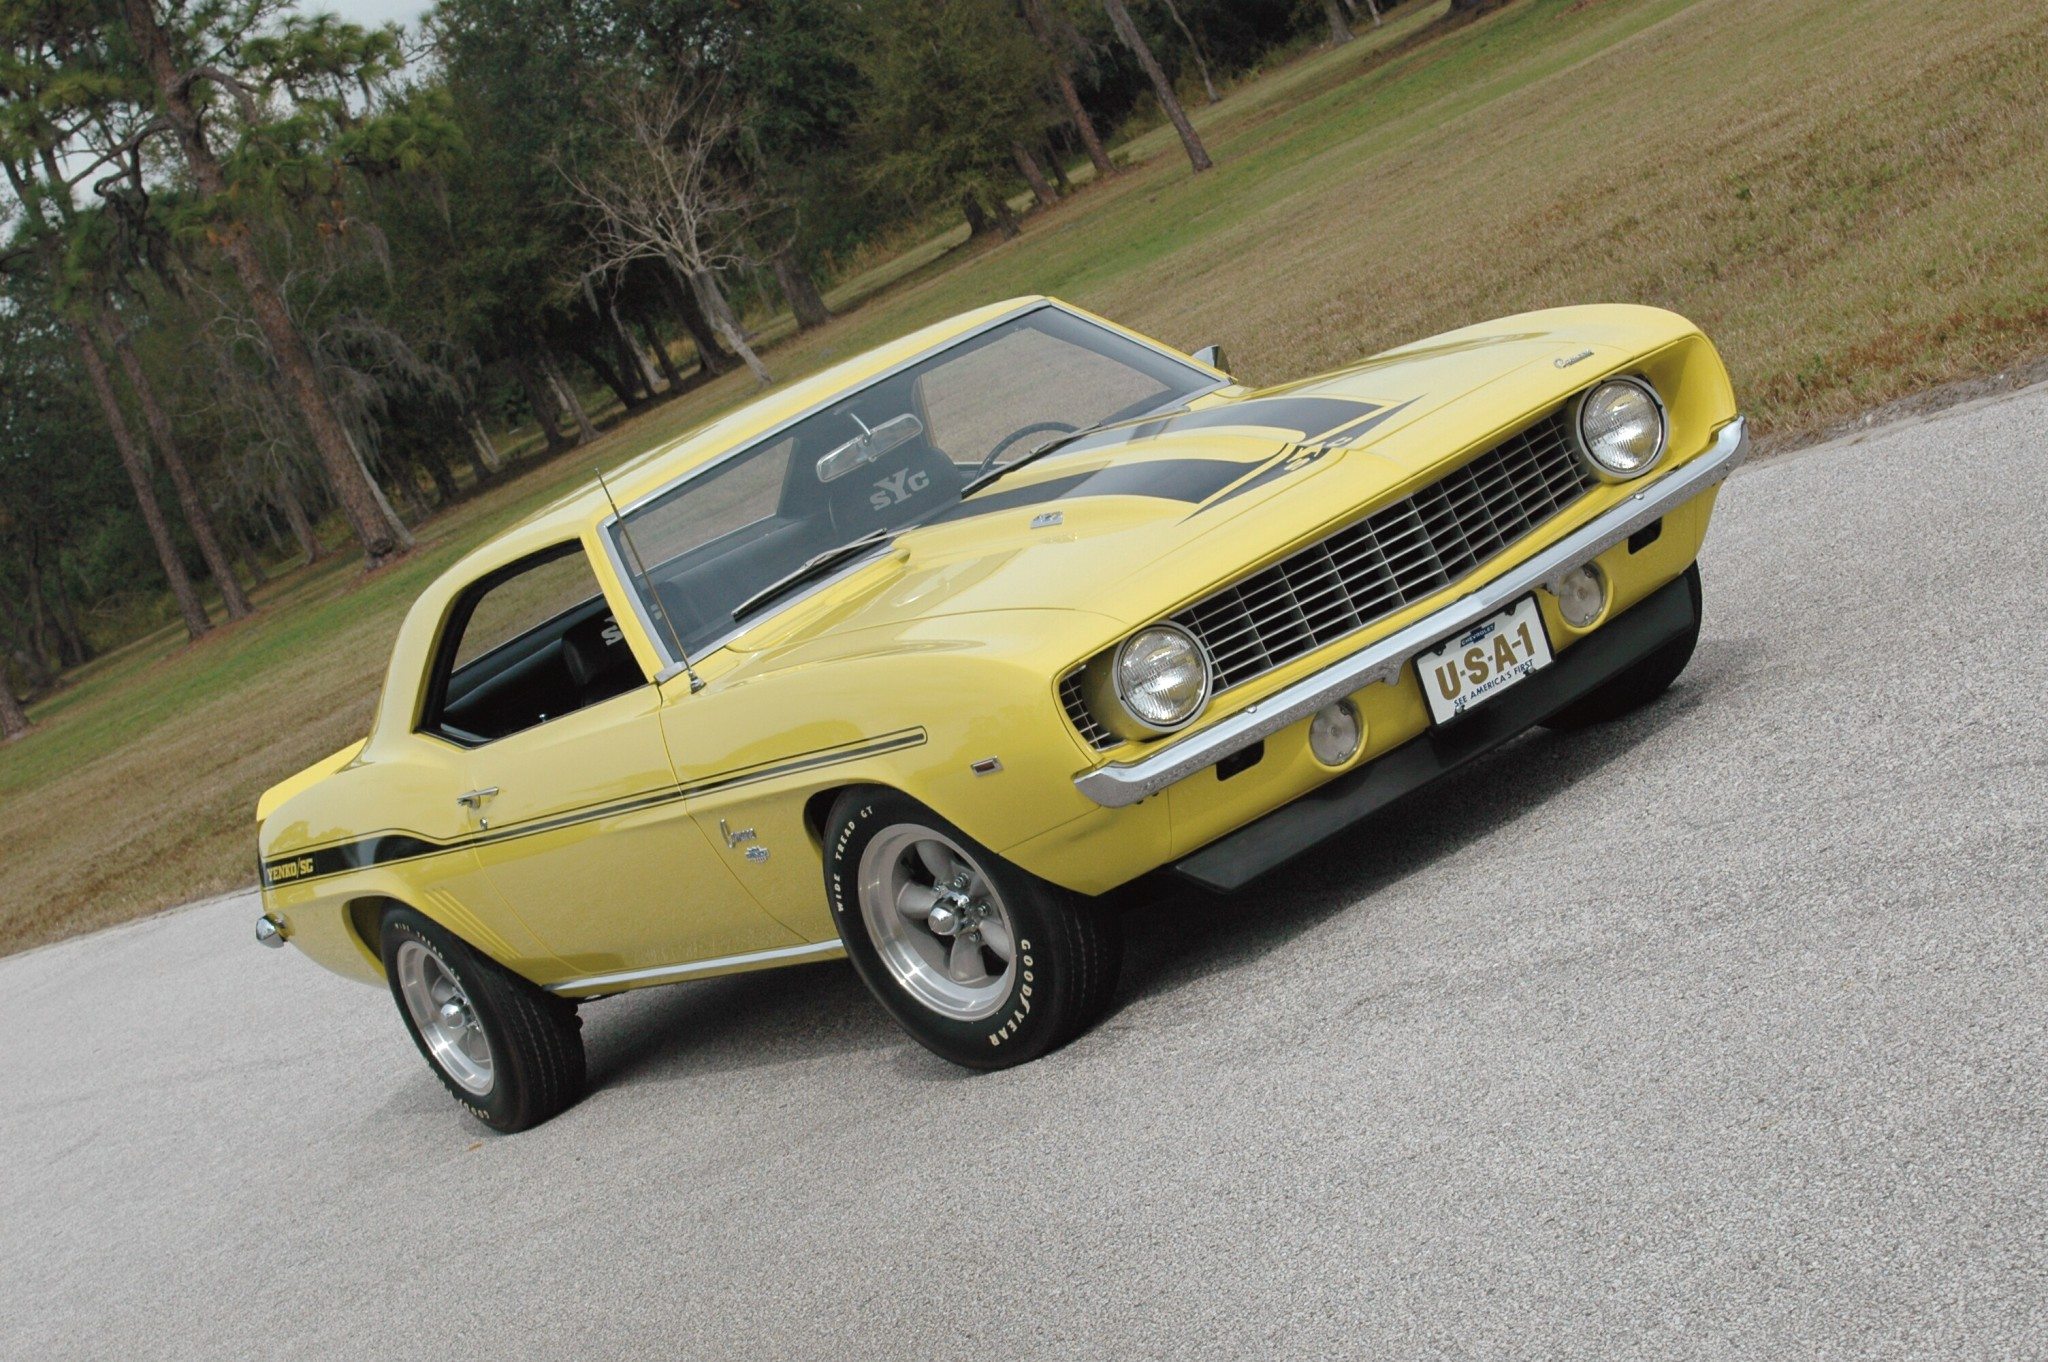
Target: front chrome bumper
x=1123 y=783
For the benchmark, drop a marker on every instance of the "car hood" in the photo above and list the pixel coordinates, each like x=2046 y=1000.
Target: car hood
x=1128 y=522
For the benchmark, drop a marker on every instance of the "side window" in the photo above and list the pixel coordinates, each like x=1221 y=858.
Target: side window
x=529 y=643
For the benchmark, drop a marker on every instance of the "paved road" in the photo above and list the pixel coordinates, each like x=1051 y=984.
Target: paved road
x=1716 y=1034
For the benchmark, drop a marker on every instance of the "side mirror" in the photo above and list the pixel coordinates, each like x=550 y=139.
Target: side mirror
x=1212 y=355
x=871 y=444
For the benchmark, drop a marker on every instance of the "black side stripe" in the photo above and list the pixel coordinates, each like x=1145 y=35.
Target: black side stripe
x=389 y=848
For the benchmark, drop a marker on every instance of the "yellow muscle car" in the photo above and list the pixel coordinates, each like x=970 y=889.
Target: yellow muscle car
x=917 y=659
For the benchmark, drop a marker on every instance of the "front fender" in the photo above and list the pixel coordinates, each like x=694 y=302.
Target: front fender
x=960 y=712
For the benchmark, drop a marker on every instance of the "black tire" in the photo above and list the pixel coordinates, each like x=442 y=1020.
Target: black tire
x=535 y=1038
x=1066 y=959
x=1641 y=683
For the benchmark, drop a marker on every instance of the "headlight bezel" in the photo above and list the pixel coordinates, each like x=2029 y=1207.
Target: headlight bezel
x=1593 y=463
x=1128 y=721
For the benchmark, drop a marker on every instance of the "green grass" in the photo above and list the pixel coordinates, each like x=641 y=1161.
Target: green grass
x=1847 y=196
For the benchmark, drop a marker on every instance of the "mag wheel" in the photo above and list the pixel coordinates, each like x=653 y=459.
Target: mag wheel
x=509 y=1052
x=980 y=961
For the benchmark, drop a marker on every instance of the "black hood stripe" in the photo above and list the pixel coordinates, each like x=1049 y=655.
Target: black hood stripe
x=1185 y=480
x=1305 y=418
x=1339 y=420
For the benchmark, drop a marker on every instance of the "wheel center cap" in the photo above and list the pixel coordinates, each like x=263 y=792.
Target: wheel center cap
x=454 y=1015
x=944 y=919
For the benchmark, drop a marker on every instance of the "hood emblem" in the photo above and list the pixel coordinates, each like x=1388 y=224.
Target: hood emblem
x=1569 y=360
x=1047 y=519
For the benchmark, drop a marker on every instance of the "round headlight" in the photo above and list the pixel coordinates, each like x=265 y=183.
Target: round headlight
x=1161 y=677
x=1621 y=425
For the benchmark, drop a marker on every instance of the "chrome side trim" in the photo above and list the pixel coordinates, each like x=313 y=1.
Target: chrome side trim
x=668 y=974
x=1124 y=783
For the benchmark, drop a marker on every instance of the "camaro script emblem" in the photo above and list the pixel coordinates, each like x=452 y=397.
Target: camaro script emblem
x=1569 y=360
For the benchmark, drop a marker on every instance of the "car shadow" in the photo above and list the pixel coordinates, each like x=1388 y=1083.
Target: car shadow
x=740 y=1021
x=1176 y=934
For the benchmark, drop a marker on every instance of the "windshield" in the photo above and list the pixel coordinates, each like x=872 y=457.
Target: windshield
x=894 y=453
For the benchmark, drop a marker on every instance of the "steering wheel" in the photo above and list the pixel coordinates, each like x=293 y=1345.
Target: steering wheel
x=1058 y=427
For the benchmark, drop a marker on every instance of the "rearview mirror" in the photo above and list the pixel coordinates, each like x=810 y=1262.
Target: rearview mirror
x=1212 y=355
x=871 y=444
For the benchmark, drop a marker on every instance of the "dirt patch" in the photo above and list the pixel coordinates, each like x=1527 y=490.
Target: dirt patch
x=1925 y=403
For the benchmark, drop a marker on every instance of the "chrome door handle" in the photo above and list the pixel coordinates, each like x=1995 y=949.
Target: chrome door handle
x=475 y=798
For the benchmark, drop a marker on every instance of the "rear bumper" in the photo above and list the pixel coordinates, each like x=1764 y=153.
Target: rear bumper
x=1235 y=860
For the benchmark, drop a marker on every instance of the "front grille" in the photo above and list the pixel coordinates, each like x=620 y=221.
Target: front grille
x=1394 y=557
x=1092 y=732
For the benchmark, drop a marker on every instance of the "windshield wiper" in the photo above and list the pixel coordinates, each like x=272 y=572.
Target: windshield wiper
x=1058 y=442
x=812 y=567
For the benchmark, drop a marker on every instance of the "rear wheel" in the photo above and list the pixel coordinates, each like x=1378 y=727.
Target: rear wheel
x=508 y=1051
x=980 y=961
x=1644 y=680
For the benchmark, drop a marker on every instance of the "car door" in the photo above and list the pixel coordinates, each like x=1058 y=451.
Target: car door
x=576 y=814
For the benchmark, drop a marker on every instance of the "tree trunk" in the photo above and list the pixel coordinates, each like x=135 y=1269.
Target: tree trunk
x=806 y=304
x=1034 y=175
x=1201 y=63
x=653 y=341
x=978 y=221
x=705 y=286
x=359 y=500
x=435 y=457
x=72 y=648
x=295 y=516
x=1340 y=32
x=489 y=463
x=246 y=551
x=1070 y=95
x=1372 y=7
x=13 y=718
x=401 y=535
x=196 y=622
x=632 y=365
x=1162 y=88
x=1057 y=162
x=712 y=357
x=14 y=640
x=566 y=395
x=201 y=524
x=606 y=372
x=1006 y=218
x=35 y=668
x=538 y=400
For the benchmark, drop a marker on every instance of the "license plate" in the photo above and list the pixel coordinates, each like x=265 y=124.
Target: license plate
x=1484 y=660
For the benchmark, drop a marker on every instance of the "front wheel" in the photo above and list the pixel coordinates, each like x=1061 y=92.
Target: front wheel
x=980 y=961
x=509 y=1052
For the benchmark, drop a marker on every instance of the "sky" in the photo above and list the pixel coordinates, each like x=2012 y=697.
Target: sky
x=371 y=13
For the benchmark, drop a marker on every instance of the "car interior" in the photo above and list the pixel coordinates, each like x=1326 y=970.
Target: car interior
x=575 y=659
x=699 y=588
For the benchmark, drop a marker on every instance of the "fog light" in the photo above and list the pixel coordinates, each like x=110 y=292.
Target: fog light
x=1335 y=733
x=1581 y=596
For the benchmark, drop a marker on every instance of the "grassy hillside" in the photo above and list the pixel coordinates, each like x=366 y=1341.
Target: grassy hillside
x=1848 y=196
